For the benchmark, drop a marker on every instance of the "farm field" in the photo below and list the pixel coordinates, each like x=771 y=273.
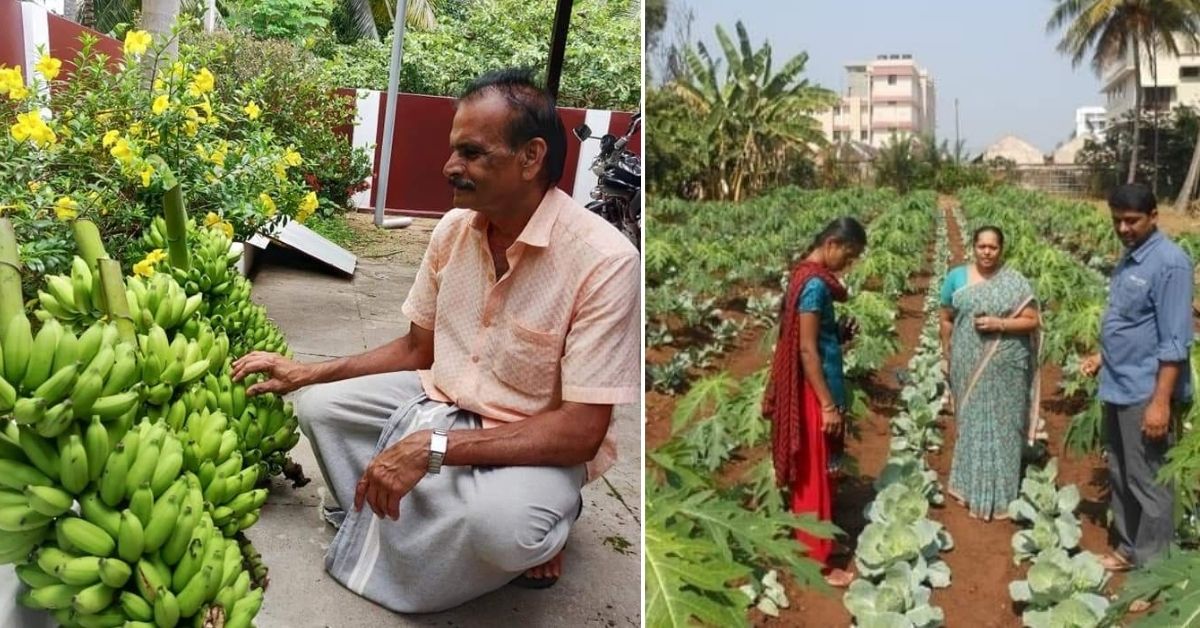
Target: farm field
x=719 y=548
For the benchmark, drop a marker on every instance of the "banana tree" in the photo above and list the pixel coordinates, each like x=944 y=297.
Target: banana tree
x=758 y=122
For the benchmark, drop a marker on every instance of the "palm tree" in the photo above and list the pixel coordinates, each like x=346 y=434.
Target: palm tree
x=418 y=15
x=759 y=124
x=1113 y=29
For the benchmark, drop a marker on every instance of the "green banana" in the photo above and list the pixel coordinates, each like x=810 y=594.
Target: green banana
x=86 y=392
x=8 y=395
x=49 y=500
x=74 y=473
x=114 y=572
x=81 y=571
x=17 y=475
x=18 y=346
x=41 y=357
x=50 y=559
x=162 y=523
x=93 y=508
x=141 y=503
x=166 y=608
x=112 y=479
x=131 y=539
x=93 y=599
x=194 y=593
x=149 y=579
x=95 y=442
x=67 y=351
x=112 y=406
x=244 y=610
x=53 y=597
x=142 y=468
x=42 y=453
x=136 y=607
x=87 y=536
x=21 y=518
x=111 y=617
x=34 y=577
x=29 y=410
x=58 y=419
x=170 y=462
x=56 y=387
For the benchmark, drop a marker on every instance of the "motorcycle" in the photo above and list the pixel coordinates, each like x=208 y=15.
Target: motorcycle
x=618 y=192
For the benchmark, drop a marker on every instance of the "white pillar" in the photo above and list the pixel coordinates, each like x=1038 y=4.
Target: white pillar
x=585 y=179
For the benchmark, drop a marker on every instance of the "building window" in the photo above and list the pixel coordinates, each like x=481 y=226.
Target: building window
x=862 y=135
x=891 y=103
x=1159 y=98
x=1189 y=72
x=891 y=79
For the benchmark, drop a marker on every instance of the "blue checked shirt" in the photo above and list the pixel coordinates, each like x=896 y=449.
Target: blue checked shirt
x=1148 y=321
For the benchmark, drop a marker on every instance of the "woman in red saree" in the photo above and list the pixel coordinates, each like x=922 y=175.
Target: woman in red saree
x=806 y=392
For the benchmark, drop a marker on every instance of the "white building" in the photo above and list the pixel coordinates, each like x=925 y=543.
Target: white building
x=1092 y=121
x=885 y=98
x=1177 y=82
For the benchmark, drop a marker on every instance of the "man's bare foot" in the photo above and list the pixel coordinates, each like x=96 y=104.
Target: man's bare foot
x=1115 y=561
x=1139 y=606
x=549 y=569
x=839 y=578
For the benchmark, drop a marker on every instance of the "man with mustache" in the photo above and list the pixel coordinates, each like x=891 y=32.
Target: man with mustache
x=1145 y=346
x=469 y=438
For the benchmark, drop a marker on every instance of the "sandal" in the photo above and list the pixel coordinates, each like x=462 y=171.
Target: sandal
x=1114 y=561
x=526 y=582
x=839 y=578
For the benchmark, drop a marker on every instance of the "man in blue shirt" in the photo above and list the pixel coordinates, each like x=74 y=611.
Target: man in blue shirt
x=1145 y=339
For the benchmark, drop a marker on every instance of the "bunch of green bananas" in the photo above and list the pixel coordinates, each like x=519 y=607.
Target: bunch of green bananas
x=52 y=379
x=160 y=300
x=246 y=322
x=227 y=478
x=212 y=270
x=154 y=236
x=76 y=300
x=142 y=548
x=174 y=363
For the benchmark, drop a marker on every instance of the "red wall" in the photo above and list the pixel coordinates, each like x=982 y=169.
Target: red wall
x=12 y=35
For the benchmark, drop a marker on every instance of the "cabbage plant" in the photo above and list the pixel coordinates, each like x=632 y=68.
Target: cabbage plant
x=900 y=600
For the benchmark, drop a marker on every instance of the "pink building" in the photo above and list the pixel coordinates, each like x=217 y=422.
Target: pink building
x=885 y=98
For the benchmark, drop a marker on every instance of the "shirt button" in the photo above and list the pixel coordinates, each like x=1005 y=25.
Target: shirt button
x=474 y=358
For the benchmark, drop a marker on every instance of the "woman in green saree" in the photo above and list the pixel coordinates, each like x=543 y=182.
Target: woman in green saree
x=989 y=325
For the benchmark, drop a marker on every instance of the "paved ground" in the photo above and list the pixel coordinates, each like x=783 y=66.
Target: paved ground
x=327 y=315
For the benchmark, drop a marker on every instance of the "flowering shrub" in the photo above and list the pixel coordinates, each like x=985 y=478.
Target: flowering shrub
x=106 y=140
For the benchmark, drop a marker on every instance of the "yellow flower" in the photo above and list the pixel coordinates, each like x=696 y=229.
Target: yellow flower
x=268 y=204
x=218 y=156
x=156 y=256
x=280 y=170
x=49 y=67
x=135 y=128
x=159 y=85
x=144 y=268
x=211 y=219
x=292 y=158
x=161 y=104
x=66 y=208
x=136 y=43
x=252 y=110
x=34 y=186
x=12 y=83
x=202 y=83
x=227 y=227
x=308 y=206
x=31 y=126
x=191 y=128
x=122 y=152
x=110 y=138
x=177 y=70
x=147 y=173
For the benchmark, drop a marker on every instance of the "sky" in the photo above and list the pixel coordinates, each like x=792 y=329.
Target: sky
x=996 y=58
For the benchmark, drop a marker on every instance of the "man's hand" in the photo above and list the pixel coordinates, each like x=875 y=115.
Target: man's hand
x=847 y=329
x=1090 y=365
x=1157 y=420
x=283 y=375
x=393 y=473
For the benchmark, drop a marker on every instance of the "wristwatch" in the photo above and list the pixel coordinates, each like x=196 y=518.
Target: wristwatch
x=437 y=450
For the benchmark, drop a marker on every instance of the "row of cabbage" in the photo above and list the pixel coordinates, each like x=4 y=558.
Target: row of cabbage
x=898 y=553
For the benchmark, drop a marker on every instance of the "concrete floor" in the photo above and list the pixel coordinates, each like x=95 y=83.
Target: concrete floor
x=328 y=315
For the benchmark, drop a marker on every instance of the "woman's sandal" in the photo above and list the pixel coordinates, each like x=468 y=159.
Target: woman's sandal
x=1114 y=562
x=839 y=578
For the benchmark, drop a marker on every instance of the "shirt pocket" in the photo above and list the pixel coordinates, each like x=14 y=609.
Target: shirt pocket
x=527 y=360
x=1132 y=296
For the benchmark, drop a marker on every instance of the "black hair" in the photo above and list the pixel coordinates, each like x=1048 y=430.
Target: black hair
x=535 y=113
x=985 y=229
x=1133 y=196
x=845 y=230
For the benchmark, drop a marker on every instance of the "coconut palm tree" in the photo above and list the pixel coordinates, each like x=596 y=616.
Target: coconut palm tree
x=418 y=14
x=1112 y=30
x=759 y=123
